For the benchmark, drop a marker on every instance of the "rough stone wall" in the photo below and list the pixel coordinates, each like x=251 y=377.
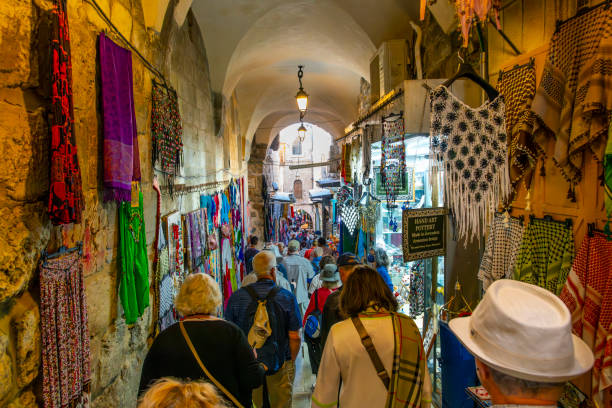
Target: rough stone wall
x=256 y=177
x=117 y=350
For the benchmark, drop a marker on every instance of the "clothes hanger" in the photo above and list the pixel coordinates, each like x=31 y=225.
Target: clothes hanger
x=62 y=251
x=467 y=71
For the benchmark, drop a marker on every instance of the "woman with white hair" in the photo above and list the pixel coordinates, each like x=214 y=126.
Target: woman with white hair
x=203 y=346
x=382 y=264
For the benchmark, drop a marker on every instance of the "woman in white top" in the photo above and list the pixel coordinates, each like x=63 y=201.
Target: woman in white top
x=348 y=367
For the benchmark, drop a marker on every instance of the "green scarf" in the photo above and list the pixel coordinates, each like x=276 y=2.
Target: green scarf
x=608 y=178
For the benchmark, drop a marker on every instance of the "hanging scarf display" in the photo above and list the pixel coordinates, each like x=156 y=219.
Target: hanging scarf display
x=588 y=296
x=369 y=216
x=393 y=163
x=503 y=242
x=572 y=101
x=133 y=260
x=350 y=216
x=518 y=85
x=121 y=156
x=468 y=10
x=166 y=131
x=65 y=333
x=545 y=256
x=65 y=191
x=470 y=145
x=166 y=315
x=417 y=290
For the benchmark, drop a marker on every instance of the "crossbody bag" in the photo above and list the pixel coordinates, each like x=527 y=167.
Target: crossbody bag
x=203 y=367
x=366 y=340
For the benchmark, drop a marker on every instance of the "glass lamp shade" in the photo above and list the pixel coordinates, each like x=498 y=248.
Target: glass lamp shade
x=302 y=132
x=302 y=100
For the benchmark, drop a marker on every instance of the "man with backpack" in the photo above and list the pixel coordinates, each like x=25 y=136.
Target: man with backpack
x=270 y=317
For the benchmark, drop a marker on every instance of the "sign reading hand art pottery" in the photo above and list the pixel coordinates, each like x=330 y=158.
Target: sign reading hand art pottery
x=424 y=233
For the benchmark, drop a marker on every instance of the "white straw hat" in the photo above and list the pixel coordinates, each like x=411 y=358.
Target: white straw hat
x=524 y=331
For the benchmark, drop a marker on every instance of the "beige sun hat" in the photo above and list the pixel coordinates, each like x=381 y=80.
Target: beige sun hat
x=524 y=331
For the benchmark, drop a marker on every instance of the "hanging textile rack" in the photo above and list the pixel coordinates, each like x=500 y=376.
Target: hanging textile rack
x=582 y=11
x=145 y=62
x=182 y=189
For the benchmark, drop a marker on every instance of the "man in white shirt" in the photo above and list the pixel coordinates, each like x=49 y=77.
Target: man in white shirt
x=299 y=273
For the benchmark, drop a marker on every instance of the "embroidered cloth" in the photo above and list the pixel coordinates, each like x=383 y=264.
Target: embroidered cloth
x=545 y=256
x=65 y=192
x=133 y=261
x=65 y=333
x=166 y=130
x=393 y=159
x=120 y=147
x=500 y=252
x=470 y=145
x=574 y=99
x=416 y=296
x=518 y=86
x=588 y=296
x=607 y=182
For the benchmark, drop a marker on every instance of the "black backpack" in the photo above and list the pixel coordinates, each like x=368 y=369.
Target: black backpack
x=269 y=354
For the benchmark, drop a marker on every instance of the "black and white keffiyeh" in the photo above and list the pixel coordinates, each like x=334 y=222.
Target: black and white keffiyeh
x=468 y=146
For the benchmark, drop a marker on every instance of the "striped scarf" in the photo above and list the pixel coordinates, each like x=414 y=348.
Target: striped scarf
x=410 y=383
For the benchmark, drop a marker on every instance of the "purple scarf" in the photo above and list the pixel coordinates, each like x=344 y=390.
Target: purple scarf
x=121 y=156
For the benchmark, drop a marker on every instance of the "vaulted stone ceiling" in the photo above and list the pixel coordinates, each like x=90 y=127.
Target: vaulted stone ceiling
x=255 y=46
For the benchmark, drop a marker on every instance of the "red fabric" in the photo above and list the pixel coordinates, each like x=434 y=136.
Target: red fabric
x=588 y=295
x=308 y=253
x=322 y=293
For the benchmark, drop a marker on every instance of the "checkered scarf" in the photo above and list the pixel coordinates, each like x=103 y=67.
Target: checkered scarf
x=588 y=296
x=573 y=100
x=518 y=86
x=546 y=254
x=501 y=248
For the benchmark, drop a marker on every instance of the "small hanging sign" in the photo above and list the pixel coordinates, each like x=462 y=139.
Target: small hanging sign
x=424 y=233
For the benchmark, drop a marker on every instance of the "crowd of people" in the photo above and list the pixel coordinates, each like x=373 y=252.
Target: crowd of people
x=363 y=352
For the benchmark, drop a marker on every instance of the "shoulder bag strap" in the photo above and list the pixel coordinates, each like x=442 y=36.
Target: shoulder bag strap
x=366 y=340
x=316 y=295
x=203 y=367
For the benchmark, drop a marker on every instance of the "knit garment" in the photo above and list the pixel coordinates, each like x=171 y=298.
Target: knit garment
x=469 y=144
x=166 y=130
x=518 y=86
x=546 y=254
x=65 y=333
x=65 y=192
x=607 y=181
x=503 y=242
x=573 y=100
x=416 y=298
x=588 y=296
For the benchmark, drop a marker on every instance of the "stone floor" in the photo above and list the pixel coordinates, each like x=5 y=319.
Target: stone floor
x=302 y=386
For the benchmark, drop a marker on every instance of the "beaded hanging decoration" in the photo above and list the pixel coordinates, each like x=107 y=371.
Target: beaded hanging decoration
x=350 y=215
x=393 y=162
x=166 y=131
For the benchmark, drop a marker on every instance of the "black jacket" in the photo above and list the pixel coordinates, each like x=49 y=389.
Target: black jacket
x=331 y=315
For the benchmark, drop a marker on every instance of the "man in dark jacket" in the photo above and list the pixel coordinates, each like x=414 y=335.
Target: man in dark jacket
x=250 y=252
x=347 y=262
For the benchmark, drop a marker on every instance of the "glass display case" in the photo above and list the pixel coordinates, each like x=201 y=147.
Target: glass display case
x=419 y=284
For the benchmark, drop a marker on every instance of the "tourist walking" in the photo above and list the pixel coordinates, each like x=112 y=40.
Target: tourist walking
x=203 y=346
x=382 y=264
x=299 y=273
x=279 y=351
x=393 y=370
x=316 y=282
x=250 y=252
x=347 y=262
x=314 y=313
x=172 y=393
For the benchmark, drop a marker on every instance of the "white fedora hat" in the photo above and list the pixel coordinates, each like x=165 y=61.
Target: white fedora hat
x=524 y=331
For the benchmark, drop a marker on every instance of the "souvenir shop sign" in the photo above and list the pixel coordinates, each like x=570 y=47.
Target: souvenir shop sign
x=424 y=233
x=404 y=193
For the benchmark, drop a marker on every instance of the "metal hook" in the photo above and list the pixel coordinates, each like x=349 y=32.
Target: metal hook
x=459 y=56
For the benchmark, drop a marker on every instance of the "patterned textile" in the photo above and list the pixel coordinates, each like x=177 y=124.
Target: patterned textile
x=393 y=159
x=133 y=261
x=65 y=333
x=608 y=179
x=410 y=382
x=166 y=302
x=518 y=85
x=121 y=156
x=65 y=193
x=166 y=130
x=588 y=295
x=546 y=254
x=573 y=100
x=416 y=297
x=470 y=144
x=369 y=216
x=500 y=252
x=350 y=216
